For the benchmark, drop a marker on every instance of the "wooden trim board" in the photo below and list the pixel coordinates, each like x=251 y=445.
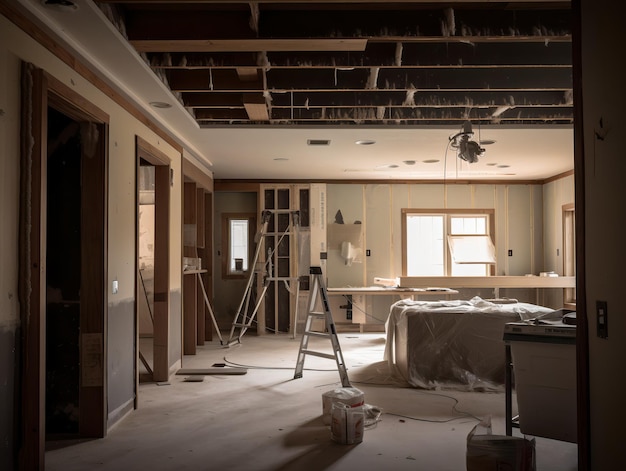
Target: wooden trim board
x=218 y=370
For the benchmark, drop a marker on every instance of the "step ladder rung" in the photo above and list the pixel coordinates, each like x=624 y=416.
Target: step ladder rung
x=319 y=354
x=317 y=334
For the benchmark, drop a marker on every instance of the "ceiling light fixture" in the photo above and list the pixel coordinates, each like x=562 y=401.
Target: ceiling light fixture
x=365 y=142
x=160 y=104
x=386 y=166
x=486 y=142
x=318 y=142
x=466 y=150
x=60 y=5
x=430 y=161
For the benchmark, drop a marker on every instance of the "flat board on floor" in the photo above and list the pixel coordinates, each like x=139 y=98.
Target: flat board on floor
x=212 y=371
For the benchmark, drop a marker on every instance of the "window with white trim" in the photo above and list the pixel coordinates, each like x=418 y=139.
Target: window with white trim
x=237 y=237
x=448 y=242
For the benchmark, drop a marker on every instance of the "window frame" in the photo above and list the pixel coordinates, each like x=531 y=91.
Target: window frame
x=448 y=213
x=226 y=255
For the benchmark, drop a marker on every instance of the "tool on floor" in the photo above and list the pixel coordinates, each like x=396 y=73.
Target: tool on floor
x=329 y=331
x=244 y=318
x=212 y=371
x=143 y=359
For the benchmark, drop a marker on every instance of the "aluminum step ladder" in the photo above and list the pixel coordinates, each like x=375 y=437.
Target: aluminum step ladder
x=330 y=332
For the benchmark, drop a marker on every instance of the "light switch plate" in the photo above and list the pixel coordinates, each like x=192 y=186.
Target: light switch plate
x=114 y=287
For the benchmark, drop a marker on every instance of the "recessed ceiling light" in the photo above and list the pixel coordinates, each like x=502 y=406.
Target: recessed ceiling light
x=382 y=167
x=60 y=5
x=503 y=166
x=409 y=162
x=281 y=159
x=491 y=164
x=160 y=104
x=318 y=142
x=365 y=142
x=487 y=142
x=430 y=161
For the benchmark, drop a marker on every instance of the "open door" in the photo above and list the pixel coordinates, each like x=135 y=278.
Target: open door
x=152 y=311
x=62 y=266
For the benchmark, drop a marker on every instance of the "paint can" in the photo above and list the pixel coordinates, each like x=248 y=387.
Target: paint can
x=352 y=397
x=347 y=423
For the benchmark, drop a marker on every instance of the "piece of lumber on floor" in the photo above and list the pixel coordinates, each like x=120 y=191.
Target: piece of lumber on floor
x=212 y=371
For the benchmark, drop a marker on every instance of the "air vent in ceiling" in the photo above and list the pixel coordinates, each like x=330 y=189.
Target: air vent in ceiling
x=318 y=142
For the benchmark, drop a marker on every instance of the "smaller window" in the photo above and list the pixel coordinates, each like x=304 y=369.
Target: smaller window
x=237 y=242
x=238 y=246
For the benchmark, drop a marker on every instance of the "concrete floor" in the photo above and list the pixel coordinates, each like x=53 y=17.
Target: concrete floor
x=267 y=420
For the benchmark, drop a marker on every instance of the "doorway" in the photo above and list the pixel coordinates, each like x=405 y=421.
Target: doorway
x=63 y=242
x=152 y=292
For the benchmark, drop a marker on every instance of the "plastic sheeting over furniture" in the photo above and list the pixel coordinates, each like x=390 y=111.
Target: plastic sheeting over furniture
x=452 y=344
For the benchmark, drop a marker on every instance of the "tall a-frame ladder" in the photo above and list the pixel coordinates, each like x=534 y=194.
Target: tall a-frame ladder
x=244 y=318
x=330 y=332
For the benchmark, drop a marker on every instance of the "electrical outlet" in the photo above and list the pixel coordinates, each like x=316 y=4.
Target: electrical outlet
x=510 y=253
x=602 y=319
x=368 y=252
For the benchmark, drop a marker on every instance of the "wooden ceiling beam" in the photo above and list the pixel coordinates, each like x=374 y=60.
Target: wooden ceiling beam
x=248 y=45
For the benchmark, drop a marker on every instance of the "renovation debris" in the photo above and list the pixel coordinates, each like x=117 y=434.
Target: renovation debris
x=194 y=379
x=488 y=451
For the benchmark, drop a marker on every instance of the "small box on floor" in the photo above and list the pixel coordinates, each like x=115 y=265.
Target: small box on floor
x=487 y=452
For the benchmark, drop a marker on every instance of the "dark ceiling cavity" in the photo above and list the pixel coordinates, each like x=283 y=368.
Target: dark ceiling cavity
x=379 y=63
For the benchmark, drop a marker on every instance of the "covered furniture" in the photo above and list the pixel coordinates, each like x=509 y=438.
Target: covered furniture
x=452 y=344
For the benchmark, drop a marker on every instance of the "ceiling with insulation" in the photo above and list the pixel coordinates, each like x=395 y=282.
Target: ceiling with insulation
x=345 y=90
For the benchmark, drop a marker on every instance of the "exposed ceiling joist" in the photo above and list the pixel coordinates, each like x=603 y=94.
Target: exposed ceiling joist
x=368 y=62
x=247 y=45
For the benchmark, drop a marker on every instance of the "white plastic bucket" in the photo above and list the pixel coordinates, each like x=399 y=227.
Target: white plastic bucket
x=347 y=423
x=352 y=397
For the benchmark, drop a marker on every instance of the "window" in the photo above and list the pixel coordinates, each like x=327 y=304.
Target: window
x=237 y=236
x=448 y=242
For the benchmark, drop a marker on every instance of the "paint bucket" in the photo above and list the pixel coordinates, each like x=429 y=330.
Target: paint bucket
x=352 y=397
x=347 y=423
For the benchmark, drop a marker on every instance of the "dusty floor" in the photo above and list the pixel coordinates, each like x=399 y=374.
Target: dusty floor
x=267 y=420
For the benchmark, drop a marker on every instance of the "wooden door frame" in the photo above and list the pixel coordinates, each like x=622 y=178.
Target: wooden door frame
x=39 y=92
x=162 y=342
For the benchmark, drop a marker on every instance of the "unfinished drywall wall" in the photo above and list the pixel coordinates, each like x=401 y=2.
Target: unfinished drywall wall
x=344 y=223
x=556 y=194
x=16 y=46
x=519 y=222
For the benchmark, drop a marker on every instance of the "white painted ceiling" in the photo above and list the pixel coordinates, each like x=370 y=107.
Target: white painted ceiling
x=273 y=153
